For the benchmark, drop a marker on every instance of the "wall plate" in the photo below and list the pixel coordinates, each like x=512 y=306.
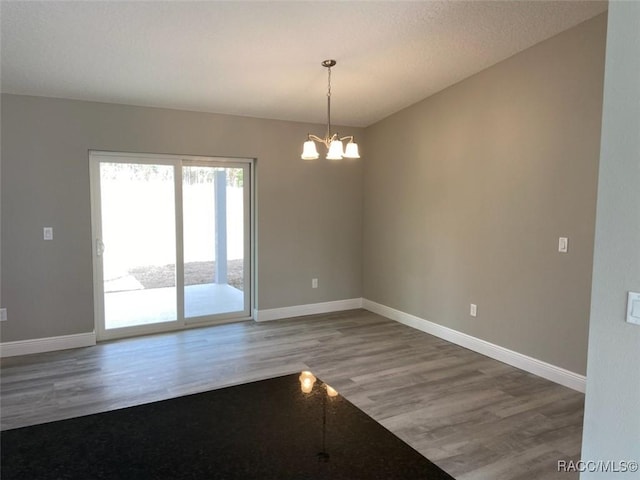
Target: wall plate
x=633 y=308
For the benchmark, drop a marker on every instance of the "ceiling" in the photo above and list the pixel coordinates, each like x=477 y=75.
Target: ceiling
x=262 y=59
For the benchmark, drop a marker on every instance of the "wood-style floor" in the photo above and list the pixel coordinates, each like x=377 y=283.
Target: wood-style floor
x=473 y=416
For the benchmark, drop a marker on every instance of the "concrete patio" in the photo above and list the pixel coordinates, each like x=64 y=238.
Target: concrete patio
x=157 y=305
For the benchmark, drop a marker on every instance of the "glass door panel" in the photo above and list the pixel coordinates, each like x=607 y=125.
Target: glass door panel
x=138 y=244
x=215 y=217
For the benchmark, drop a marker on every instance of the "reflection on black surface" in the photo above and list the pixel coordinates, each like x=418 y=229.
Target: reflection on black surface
x=330 y=391
x=351 y=444
x=307 y=379
x=291 y=427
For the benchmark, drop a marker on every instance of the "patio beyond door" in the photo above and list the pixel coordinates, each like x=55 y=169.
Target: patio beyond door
x=172 y=241
x=214 y=246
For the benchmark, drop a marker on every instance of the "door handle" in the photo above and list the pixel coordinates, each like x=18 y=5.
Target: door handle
x=99 y=247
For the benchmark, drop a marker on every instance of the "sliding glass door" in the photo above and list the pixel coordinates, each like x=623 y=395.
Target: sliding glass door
x=138 y=244
x=215 y=270
x=172 y=241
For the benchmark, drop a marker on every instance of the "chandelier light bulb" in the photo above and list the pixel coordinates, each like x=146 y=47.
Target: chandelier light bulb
x=352 y=150
x=309 y=151
x=336 y=151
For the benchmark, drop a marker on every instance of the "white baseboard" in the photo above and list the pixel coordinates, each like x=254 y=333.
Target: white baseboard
x=537 y=367
x=515 y=359
x=50 y=344
x=309 y=309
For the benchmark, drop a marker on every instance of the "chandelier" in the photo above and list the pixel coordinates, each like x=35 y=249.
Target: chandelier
x=333 y=142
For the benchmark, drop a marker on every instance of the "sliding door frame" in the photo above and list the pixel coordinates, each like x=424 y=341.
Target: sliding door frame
x=249 y=247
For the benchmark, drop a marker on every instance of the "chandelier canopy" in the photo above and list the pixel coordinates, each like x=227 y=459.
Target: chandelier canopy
x=333 y=142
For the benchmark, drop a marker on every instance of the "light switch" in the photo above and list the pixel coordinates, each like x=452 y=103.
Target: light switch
x=563 y=244
x=48 y=233
x=633 y=308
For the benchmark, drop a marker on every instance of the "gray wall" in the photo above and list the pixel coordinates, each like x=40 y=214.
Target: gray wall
x=467 y=192
x=309 y=213
x=612 y=409
x=465 y=196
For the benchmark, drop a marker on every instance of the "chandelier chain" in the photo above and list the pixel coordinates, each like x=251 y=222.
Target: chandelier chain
x=328 y=137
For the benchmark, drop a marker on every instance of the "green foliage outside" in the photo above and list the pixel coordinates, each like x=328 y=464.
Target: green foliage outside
x=190 y=175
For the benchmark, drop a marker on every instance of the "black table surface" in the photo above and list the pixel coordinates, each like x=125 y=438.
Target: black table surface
x=268 y=429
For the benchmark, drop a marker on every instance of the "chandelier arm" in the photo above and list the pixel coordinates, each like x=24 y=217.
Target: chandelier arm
x=348 y=137
x=325 y=141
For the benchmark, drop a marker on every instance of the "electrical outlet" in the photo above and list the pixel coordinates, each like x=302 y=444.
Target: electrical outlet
x=314 y=283
x=473 y=310
x=3 y=314
x=47 y=233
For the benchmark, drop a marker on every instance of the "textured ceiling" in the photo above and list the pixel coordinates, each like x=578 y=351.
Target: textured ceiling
x=262 y=59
